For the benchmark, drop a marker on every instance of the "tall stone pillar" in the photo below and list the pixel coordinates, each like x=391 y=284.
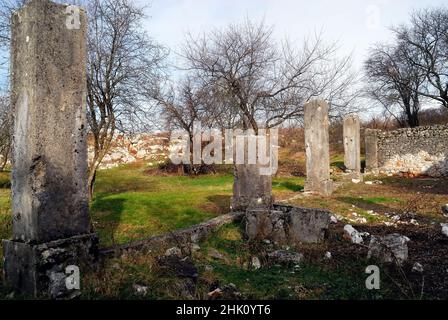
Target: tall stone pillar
x=352 y=146
x=51 y=223
x=371 y=137
x=252 y=187
x=317 y=148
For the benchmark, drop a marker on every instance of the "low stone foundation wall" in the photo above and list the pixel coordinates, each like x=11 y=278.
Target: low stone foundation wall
x=287 y=225
x=413 y=152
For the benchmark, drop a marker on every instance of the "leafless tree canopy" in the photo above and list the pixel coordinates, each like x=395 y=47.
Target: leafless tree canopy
x=266 y=84
x=394 y=82
x=427 y=40
x=124 y=67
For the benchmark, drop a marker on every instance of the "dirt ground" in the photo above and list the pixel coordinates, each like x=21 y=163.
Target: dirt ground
x=410 y=207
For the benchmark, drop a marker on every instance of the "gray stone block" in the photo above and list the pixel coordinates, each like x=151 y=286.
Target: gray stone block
x=287 y=225
x=251 y=189
x=39 y=270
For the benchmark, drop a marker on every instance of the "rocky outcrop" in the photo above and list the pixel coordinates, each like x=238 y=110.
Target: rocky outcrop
x=151 y=148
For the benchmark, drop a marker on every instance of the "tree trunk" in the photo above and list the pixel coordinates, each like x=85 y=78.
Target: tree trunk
x=91 y=182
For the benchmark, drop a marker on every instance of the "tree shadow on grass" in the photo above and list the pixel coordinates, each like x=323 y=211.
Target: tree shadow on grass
x=222 y=202
x=338 y=164
x=289 y=185
x=366 y=204
x=422 y=185
x=106 y=217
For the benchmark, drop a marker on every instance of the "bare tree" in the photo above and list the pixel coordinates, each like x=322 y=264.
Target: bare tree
x=123 y=70
x=426 y=36
x=268 y=84
x=124 y=66
x=395 y=82
x=264 y=84
x=5 y=131
x=187 y=102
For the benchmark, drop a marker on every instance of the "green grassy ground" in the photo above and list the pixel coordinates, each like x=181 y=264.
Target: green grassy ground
x=131 y=204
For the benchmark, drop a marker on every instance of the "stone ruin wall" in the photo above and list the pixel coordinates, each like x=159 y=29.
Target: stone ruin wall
x=412 y=152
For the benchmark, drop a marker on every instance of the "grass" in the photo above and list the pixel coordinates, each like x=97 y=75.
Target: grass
x=5 y=210
x=309 y=282
x=130 y=204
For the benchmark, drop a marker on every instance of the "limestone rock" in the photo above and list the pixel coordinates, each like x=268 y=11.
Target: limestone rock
x=140 y=290
x=418 y=268
x=174 y=252
x=352 y=234
x=445 y=210
x=445 y=229
x=215 y=254
x=390 y=248
x=287 y=225
x=285 y=257
x=317 y=148
x=352 y=147
x=408 y=152
x=256 y=264
x=215 y=294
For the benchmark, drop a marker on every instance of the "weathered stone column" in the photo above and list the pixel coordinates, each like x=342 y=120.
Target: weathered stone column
x=250 y=189
x=317 y=148
x=352 y=146
x=51 y=223
x=371 y=137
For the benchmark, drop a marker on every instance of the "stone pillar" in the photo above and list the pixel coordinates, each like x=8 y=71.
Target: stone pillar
x=51 y=223
x=317 y=148
x=352 y=146
x=371 y=151
x=250 y=189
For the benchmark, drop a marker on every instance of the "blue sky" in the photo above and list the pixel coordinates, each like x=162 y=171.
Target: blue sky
x=356 y=24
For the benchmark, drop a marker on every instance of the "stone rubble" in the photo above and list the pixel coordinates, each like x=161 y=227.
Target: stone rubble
x=418 y=268
x=284 y=257
x=445 y=210
x=256 y=264
x=286 y=225
x=444 y=229
x=353 y=234
x=389 y=248
x=140 y=290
